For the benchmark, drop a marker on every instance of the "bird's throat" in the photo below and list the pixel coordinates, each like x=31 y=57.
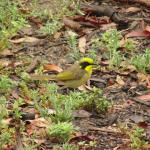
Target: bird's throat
x=89 y=69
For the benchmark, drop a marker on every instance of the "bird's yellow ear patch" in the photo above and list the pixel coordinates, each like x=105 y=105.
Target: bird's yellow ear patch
x=86 y=59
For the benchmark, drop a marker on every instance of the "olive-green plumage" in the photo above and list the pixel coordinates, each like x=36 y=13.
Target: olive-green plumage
x=75 y=76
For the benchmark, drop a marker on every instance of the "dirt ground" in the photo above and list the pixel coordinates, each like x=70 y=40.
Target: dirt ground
x=131 y=100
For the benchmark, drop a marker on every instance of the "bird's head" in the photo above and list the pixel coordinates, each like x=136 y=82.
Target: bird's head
x=86 y=64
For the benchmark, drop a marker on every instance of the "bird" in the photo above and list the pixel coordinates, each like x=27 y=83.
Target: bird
x=73 y=77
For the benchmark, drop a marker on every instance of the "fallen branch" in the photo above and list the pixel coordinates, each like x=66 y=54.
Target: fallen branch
x=143 y=2
x=104 y=130
x=104 y=11
x=140 y=101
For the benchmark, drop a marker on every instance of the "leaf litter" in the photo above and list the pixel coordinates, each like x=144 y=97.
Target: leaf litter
x=125 y=88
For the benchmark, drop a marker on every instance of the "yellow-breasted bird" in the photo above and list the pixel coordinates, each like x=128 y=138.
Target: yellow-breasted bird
x=75 y=76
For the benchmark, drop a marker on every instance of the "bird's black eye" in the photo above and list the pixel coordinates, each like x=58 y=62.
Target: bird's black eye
x=84 y=65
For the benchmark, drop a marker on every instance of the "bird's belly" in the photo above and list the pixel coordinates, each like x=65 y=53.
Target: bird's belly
x=77 y=83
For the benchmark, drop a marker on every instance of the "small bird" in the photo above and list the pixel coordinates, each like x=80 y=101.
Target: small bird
x=73 y=77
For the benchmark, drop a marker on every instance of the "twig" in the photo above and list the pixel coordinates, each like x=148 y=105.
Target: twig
x=104 y=130
x=140 y=101
x=33 y=65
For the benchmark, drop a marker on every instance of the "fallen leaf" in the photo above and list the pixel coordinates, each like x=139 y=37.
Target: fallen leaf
x=51 y=112
x=144 y=78
x=82 y=44
x=26 y=39
x=146 y=146
x=4 y=63
x=39 y=141
x=139 y=33
x=81 y=114
x=52 y=67
x=132 y=10
x=144 y=97
x=105 y=27
x=147 y=29
x=143 y=124
x=15 y=94
x=41 y=122
x=119 y=80
x=6 y=52
x=57 y=35
x=72 y=24
x=81 y=138
x=136 y=118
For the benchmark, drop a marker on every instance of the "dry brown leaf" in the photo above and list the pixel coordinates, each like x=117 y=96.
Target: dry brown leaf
x=105 y=27
x=82 y=44
x=143 y=77
x=6 y=52
x=144 y=97
x=41 y=122
x=72 y=24
x=139 y=33
x=52 y=67
x=132 y=10
x=81 y=114
x=119 y=80
x=136 y=118
x=4 y=63
x=57 y=35
x=26 y=39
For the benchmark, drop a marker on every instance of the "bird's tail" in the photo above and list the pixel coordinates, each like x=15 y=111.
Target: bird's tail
x=43 y=77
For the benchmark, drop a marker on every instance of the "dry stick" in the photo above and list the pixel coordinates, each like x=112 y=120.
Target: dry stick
x=140 y=101
x=104 y=130
x=138 y=19
x=19 y=144
x=104 y=11
x=144 y=2
x=33 y=65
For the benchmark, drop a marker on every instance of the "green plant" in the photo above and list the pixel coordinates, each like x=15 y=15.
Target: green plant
x=136 y=138
x=6 y=133
x=11 y=20
x=52 y=14
x=4 y=110
x=100 y=101
x=6 y=136
x=17 y=109
x=25 y=76
x=96 y=44
x=51 y=27
x=142 y=61
x=112 y=38
x=129 y=45
x=6 y=84
x=72 y=42
x=61 y=131
x=66 y=146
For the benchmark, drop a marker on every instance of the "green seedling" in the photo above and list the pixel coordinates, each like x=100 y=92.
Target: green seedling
x=52 y=14
x=72 y=42
x=136 y=138
x=6 y=84
x=142 y=61
x=4 y=110
x=17 y=108
x=51 y=27
x=62 y=131
x=66 y=146
x=6 y=136
x=11 y=21
x=112 y=38
x=129 y=45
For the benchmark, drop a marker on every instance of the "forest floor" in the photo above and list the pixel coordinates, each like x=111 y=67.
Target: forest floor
x=116 y=34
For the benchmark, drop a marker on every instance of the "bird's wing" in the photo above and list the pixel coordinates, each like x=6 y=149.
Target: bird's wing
x=73 y=73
